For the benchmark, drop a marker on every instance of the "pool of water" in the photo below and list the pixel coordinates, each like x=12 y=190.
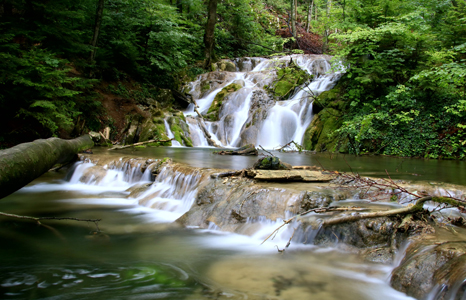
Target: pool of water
x=140 y=255
x=450 y=171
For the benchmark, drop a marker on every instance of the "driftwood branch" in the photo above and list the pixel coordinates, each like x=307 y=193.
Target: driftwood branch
x=382 y=186
x=266 y=151
x=388 y=213
x=316 y=210
x=38 y=219
x=140 y=143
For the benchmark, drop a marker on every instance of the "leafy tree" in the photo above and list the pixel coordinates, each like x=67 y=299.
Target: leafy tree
x=406 y=93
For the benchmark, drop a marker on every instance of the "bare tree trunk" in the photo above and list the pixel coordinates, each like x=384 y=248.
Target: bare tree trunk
x=209 y=36
x=327 y=30
x=293 y=18
x=98 y=23
x=344 y=7
x=315 y=11
x=23 y=163
x=309 y=15
x=179 y=6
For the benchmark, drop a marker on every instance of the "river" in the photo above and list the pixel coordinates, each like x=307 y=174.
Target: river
x=142 y=254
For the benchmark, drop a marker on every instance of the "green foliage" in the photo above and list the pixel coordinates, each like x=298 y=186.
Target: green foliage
x=406 y=93
x=35 y=85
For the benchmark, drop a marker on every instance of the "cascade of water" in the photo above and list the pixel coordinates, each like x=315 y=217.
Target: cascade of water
x=281 y=123
x=170 y=135
x=197 y=136
x=172 y=191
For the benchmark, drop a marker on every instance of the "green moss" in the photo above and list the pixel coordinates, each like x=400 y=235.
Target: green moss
x=214 y=109
x=178 y=128
x=288 y=79
x=182 y=117
x=157 y=113
x=158 y=121
x=153 y=129
x=140 y=146
x=165 y=160
x=205 y=86
x=329 y=108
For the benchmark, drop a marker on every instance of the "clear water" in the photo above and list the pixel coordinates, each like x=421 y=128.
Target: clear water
x=141 y=254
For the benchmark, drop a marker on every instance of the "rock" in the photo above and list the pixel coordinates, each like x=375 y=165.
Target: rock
x=229 y=202
x=328 y=112
x=315 y=199
x=180 y=129
x=214 y=109
x=226 y=65
x=181 y=99
x=249 y=149
x=290 y=175
x=288 y=79
x=430 y=268
x=271 y=163
x=375 y=239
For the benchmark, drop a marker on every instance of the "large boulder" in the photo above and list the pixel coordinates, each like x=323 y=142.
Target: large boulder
x=432 y=268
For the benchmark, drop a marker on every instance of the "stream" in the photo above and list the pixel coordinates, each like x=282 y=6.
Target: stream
x=142 y=254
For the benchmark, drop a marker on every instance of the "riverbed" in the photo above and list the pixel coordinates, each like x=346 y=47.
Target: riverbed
x=141 y=253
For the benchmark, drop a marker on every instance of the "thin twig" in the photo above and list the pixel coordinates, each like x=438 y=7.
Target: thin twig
x=266 y=151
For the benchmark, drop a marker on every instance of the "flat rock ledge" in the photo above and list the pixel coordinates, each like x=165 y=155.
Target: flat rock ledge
x=291 y=175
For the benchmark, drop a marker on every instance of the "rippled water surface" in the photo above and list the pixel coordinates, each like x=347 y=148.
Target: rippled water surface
x=142 y=254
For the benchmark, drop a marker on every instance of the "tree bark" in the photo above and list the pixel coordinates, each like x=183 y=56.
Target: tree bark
x=309 y=15
x=209 y=36
x=23 y=163
x=293 y=18
x=98 y=23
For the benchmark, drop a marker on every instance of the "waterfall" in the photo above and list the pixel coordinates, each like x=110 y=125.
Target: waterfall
x=249 y=115
x=170 y=135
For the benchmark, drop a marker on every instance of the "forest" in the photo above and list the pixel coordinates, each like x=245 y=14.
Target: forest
x=403 y=91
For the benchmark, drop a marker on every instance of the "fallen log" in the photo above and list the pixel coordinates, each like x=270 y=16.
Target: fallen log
x=23 y=163
x=139 y=144
x=227 y=174
x=248 y=149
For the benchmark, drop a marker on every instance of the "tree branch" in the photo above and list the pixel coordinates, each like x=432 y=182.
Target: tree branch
x=37 y=219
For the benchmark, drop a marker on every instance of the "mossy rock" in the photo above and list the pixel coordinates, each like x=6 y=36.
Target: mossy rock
x=153 y=129
x=205 y=86
x=318 y=135
x=180 y=130
x=288 y=79
x=271 y=163
x=329 y=108
x=331 y=99
x=214 y=109
x=226 y=65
